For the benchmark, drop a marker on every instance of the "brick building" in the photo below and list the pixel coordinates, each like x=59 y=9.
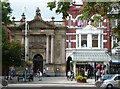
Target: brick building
x=87 y=42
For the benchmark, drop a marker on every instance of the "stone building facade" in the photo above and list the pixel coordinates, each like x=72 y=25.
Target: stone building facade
x=46 y=44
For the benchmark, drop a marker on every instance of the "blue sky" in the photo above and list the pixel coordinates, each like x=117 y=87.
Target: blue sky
x=19 y=6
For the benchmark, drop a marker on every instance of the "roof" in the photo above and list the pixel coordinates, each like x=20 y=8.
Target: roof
x=91 y=56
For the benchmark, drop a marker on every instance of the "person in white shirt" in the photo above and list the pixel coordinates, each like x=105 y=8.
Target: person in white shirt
x=68 y=75
x=39 y=75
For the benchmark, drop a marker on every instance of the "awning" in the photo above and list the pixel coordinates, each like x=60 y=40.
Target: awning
x=91 y=56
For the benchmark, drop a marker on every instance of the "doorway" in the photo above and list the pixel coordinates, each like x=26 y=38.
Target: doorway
x=37 y=63
x=68 y=64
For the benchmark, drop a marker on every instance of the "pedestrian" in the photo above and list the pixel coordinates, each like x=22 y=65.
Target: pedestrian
x=86 y=73
x=39 y=75
x=72 y=75
x=98 y=74
x=9 y=77
x=68 y=75
x=13 y=72
x=25 y=74
x=44 y=72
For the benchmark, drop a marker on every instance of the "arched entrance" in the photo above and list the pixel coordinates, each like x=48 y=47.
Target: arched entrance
x=37 y=63
x=68 y=64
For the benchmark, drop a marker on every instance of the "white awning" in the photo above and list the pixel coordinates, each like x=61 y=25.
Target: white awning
x=91 y=56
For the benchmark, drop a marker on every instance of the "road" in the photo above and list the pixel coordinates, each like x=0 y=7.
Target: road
x=51 y=82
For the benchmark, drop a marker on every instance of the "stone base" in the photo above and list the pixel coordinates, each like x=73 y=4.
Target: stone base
x=55 y=69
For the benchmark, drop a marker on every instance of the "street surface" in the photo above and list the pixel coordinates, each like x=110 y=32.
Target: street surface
x=48 y=82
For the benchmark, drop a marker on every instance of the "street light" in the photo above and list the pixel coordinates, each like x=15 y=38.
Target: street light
x=26 y=46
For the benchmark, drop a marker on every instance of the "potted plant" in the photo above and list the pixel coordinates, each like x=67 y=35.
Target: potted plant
x=81 y=79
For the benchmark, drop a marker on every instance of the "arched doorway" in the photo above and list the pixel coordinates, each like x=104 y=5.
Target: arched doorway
x=37 y=63
x=68 y=64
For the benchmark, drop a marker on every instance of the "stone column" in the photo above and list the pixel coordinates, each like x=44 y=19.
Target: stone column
x=52 y=48
x=47 y=49
x=63 y=49
x=79 y=40
x=99 y=41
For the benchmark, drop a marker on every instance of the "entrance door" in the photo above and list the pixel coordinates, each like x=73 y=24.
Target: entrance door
x=37 y=63
x=68 y=64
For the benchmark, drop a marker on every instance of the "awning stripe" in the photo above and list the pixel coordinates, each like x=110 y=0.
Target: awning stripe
x=91 y=56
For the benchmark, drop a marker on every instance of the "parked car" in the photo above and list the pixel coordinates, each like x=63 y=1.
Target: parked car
x=113 y=82
x=106 y=76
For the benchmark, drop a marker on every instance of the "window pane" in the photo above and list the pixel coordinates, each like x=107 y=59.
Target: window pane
x=84 y=40
x=77 y=40
x=94 y=40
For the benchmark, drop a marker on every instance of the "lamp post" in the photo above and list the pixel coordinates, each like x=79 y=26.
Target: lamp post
x=26 y=47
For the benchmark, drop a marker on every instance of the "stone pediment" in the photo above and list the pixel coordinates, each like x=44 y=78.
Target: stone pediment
x=39 y=24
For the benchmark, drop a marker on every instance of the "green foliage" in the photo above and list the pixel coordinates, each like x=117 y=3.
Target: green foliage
x=79 y=77
x=51 y=5
x=91 y=8
x=61 y=7
x=6 y=12
x=12 y=52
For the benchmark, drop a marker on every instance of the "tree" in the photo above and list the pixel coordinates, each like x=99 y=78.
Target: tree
x=90 y=8
x=61 y=7
x=6 y=12
x=12 y=52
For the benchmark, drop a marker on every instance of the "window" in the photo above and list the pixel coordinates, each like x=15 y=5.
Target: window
x=69 y=21
x=95 y=40
x=101 y=41
x=84 y=40
x=113 y=23
x=117 y=78
x=69 y=42
x=77 y=40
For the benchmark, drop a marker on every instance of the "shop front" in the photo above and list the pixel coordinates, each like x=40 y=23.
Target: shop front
x=88 y=59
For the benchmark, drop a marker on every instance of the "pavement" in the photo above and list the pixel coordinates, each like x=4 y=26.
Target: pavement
x=50 y=81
